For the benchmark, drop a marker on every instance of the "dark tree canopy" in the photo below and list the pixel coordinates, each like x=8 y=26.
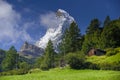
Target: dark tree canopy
x=72 y=38
x=107 y=21
x=111 y=34
x=92 y=36
x=49 y=56
x=10 y=60
x=94 y=25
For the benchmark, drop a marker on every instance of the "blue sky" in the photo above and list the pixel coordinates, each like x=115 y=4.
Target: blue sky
x=20 y=19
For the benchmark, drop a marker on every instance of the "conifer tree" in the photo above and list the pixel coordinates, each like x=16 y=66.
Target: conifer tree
x=107 y=21
x=2 y=56
x=92 y=37
x=49 y=57
x=10 y=60
x=71 y=41
x=111 y=34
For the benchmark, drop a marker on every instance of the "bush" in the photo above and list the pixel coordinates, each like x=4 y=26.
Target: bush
x=111 y=52
x=24 y=65
x=110 y=66
x=35 y=70
x=75 y=61
x=44 y=66
x=116 y=66
x=89 y=65
x=14 y=72
x=38 y=61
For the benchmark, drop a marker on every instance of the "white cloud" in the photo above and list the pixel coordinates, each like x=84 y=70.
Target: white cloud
x=10 y=31
x=49 y=20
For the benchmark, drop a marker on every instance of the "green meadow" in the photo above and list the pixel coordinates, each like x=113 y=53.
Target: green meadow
x=66 y=74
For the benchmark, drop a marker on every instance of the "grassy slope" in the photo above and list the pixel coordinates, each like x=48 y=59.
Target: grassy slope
x=67 y=74
x=105 y=59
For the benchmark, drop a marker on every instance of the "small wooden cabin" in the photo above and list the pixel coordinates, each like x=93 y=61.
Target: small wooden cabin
x=97 y=52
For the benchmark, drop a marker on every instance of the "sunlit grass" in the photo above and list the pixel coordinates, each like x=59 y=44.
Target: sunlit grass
x=67 y=74
x=104 y=59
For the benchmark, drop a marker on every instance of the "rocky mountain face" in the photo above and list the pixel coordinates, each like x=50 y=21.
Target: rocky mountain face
x=63 y=21
x=55 y=33
x=30 y=51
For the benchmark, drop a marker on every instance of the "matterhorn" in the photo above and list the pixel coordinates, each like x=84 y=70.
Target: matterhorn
x=55 y=33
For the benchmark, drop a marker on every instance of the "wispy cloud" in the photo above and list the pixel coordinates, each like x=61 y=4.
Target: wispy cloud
x=10 y=30
x=49 y=20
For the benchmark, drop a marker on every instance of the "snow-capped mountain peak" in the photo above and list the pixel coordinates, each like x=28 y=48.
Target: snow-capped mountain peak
x=63 y=20
x=63 y=13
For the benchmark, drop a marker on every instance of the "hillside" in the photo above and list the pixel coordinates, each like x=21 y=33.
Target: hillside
x=112 y=58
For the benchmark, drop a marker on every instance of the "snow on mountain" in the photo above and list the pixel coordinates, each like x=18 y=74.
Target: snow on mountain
x=55 y=33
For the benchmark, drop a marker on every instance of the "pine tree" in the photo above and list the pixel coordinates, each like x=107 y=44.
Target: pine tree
x=71 y=41
x=111 y=34
x=107 y=21
x=10 y=60
x=2 y=56
x=94 y=25
x=119 y=18
x=49 y=57
x=92 y=36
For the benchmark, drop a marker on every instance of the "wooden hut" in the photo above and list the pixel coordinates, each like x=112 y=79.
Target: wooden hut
x=97 y=52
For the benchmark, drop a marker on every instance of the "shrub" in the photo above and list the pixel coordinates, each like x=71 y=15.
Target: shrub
x=111 y=52
x=14 y=72
x=34 y=70
x=89 y=65
x=75 y=61
x=24 y=65
x=110 y=66
x=44 y=66
x=116 y=66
